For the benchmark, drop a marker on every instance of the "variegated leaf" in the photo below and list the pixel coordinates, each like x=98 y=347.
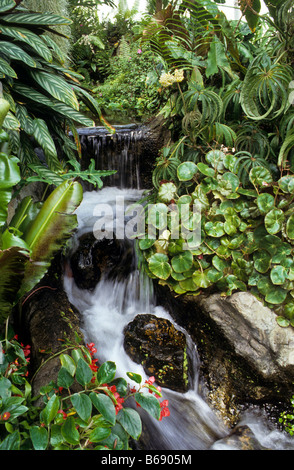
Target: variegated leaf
x=25 y=120
x=57 y=87
x=44 y=139
x=7 y=5
x=15 y=52
x=6 y=69
x=40 y=19
x=27 y=36
x=10 y=122
x=61 y=108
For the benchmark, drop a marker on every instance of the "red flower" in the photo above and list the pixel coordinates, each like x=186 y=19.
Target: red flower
x=5 y=416
x=164 y=409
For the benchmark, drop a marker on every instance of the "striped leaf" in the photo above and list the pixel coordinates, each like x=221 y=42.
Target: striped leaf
x=39 y=19
x=55 y=48
x=15 y=52
x=25 y=120
x=27 y=36
x=7 y=5
x=6 y=69
x=57 y=87
x=10 y=122
x=44 y=139
x=61 y=108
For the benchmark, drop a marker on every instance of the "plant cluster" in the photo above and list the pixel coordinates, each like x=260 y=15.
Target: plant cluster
x=93 y=417
x=231 y=120
x=128 y=95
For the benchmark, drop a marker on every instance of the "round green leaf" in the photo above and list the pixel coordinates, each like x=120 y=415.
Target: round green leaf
x=273 y=221
x=283 y=250
x=260 y=176
x=276 y=295
x=186 y=171
x=167 y=192
x=232 y=179
x=264 y=285
x=182 y=262
x=214 y=229
x=278 y=275
x=216 y=159
x=159 y=265
x=282 y=321
x=286 y=183
x=201 y=280
x=157 y=215
x=265 y=202
x=205 y=169
x=290 y=227
x=262 y=261
x=213 y=275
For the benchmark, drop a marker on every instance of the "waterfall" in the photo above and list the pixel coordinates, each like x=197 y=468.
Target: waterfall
x=115 y=302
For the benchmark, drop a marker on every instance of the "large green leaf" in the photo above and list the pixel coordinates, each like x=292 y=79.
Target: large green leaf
x=53 y=225
x=12 y=270
x=7 y=5
x=39 y=19
x=27 y=36
x=61 y=108
x=6 y=69
x=12 y=51
x=56 y=86
x=44 y=139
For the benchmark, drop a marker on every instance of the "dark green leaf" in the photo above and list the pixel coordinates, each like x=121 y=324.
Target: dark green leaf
x=104 y=405
x=84 y=373
x=39 y=437
x=149 y=403
x=69 y=431
x=106 y=372
x=130 y=421
x=83 y=405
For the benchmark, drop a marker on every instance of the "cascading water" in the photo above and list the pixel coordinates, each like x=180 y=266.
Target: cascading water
x=113 y=304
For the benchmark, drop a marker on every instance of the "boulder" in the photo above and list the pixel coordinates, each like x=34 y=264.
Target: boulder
x=252 y=330
x=160 y=348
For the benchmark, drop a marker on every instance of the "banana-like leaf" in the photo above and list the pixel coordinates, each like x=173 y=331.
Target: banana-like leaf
x=9 y=177
x=52 y=227
x=27 y=36
x=12 y=270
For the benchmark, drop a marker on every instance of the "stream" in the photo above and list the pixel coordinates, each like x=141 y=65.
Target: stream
x=115 y=302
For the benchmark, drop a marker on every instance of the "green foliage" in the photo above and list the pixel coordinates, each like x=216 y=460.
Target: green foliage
x=94 y=418
x=231 y=157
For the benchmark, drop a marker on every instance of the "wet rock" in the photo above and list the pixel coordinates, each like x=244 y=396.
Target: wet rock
x=241 y=438
x=160 y=348
x=95 y=258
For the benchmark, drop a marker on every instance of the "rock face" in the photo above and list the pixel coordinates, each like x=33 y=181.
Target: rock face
x=245 y=356
x=252 y=330
x=160 y=348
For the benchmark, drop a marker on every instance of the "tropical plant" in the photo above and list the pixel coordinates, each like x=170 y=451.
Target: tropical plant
x=231 y=156
x=42 y=93
x=94 y=418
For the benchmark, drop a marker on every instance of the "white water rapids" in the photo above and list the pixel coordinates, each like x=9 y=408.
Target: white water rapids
x=106 y=311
